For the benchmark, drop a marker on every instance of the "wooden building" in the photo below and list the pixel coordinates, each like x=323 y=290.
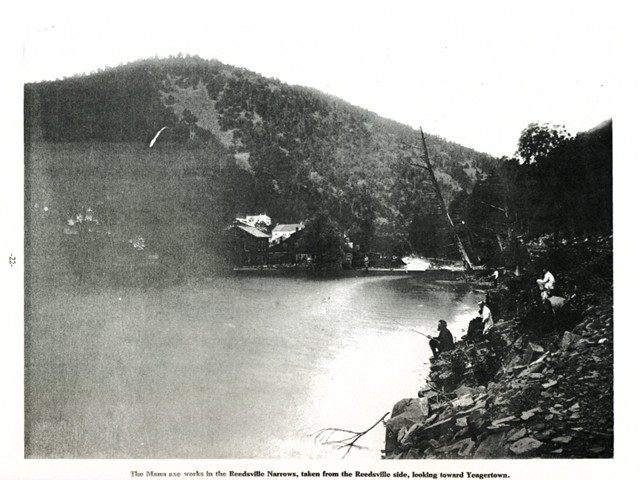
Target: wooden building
x=248 y=245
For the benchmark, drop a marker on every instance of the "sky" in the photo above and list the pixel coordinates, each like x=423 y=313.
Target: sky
x=476 y=73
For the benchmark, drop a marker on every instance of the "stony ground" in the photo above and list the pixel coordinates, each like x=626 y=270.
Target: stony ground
x=540 y=384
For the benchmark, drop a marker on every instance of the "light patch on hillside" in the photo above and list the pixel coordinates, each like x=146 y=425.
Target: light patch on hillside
x=443 y=178
x=448 y=186
x=471 y=172
x=242 y=161
x=198 y=102
x=253 y=117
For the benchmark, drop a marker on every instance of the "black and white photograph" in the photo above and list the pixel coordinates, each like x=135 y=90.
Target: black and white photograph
x=337 y=239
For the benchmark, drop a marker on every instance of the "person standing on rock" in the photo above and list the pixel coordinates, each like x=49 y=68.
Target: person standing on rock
x=444 y=342
x=487 y=318
x=546 y=284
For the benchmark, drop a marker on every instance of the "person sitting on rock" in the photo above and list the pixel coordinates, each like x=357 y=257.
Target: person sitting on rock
x=474 y=331
x=546 y=284
x=443 y=343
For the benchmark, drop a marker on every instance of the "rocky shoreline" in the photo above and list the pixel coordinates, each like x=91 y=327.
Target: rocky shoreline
x=538 y=385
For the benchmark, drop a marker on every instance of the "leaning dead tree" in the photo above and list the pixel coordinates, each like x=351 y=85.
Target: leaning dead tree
x=427 y=166
x=324 y=436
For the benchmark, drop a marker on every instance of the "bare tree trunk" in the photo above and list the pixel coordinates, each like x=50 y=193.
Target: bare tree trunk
x=463 y=253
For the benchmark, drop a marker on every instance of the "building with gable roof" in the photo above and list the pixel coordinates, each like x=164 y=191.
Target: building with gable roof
x=248 y=245
x=284 y=231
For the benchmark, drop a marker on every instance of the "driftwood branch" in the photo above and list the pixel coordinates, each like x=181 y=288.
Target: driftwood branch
x=324 y=436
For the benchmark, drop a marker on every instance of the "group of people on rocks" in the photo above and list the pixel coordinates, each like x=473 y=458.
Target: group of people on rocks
x=546 y=284
x=479 y=325
x=482 y=324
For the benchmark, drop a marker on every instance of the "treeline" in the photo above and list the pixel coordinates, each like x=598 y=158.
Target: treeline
x=555 y=185
x=235 y=143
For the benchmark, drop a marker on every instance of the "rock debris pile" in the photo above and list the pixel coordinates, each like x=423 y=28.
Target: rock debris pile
x=540 y=384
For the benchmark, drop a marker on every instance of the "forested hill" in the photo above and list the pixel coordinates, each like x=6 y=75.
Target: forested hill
x=235 y=142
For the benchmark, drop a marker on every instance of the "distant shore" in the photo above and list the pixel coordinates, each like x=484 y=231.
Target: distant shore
x=441 y=273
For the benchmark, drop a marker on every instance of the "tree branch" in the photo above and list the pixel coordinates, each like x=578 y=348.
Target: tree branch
x=493 y=206
x=418 y=165
x=348 y=442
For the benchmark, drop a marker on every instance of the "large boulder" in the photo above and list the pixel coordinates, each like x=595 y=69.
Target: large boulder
x=568 y=340
x=525 y=446
x=477 y=421
x=404 y=415
x=532 y=352
x=492 y=446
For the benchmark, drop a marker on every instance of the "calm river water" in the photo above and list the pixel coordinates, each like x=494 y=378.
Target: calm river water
x=241 y=367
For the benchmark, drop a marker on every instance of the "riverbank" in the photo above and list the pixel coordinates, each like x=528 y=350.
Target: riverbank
x=411 y=268
x=539 y=384
x=444 y=274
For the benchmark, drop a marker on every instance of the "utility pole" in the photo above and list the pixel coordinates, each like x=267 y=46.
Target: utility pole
x=427 y=166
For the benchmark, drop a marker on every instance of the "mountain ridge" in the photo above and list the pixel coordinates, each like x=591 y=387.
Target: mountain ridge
x=238 y=142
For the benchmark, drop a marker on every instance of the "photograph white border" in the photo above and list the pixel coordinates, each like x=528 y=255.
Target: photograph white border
x=14 y=466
